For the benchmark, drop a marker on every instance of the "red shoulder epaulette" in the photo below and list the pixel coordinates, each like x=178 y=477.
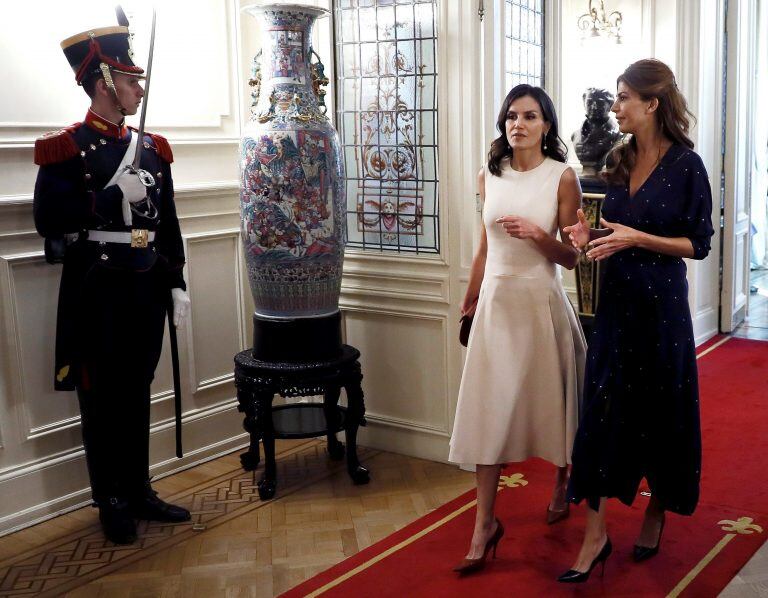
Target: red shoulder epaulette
x=56 y=146
x=163 y=147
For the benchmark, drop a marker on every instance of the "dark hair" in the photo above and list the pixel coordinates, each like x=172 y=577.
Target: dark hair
x=89 y=85
x=552 y=145
x=651 y=78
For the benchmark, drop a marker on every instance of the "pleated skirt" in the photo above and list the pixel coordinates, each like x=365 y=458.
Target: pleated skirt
x=521 y=387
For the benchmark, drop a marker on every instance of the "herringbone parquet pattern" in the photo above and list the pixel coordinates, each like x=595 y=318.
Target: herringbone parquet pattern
x=235 y=545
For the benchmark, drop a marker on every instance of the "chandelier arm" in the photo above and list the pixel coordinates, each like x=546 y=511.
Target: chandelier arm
x=585 y=22
x=600 y=24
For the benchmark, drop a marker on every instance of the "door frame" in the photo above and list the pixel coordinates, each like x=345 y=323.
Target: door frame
x=741 y=28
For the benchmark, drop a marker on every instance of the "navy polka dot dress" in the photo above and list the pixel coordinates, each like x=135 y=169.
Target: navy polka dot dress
x=641 y=398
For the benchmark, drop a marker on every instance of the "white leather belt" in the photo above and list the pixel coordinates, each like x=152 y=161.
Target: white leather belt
x=138 y=237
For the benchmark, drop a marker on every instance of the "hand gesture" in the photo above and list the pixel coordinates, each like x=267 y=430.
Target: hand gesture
x=622 y=237
x=520 y=228
x=578 y=233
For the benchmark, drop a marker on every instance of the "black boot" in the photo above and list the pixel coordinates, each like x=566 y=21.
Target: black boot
x=148 y=506
x=117 y=521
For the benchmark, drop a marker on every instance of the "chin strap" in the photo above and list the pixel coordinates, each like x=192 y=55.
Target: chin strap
x=94 y=51
x=107 y=74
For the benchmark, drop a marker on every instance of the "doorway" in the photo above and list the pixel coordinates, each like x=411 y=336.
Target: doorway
x=755 y=324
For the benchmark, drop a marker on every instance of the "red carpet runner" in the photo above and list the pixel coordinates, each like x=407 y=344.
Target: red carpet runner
x=699 y=555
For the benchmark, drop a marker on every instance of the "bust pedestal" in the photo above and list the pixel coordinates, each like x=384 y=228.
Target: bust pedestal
x=587 y=271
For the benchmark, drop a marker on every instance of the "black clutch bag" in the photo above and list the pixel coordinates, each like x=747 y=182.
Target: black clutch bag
x=465 y=325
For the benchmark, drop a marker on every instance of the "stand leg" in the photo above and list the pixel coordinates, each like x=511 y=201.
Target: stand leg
x=330 y=407
x=355 y=418
x=249 y=460
x=268 y=483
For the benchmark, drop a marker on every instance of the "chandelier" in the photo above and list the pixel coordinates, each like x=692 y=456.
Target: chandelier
x=597 y=24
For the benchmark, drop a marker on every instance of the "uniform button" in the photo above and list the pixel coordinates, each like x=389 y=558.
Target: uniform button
x=104 y=257
x=102 y=243
x=160 y=175
x=103 y=141
x=82 y=154
x=93 y=147
x=87 y=176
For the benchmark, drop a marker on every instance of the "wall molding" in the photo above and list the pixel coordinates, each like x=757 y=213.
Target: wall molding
x=405 y=287
x=78 y=499
x=56 y=458
x=28 y=143
x=384 y=420
x=15 y=363
x=447 y=400
x=212 y=189
x=233 y=234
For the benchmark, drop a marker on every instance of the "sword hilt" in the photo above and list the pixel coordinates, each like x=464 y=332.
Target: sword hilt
x=145 y=176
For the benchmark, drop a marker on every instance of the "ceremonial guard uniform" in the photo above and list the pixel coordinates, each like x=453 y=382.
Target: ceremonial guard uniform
x=122 y=260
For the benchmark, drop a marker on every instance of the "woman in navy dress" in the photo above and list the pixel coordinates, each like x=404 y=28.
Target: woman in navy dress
x=641 y=417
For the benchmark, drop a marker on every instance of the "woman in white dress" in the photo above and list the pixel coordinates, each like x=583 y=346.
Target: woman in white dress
x=521 y=386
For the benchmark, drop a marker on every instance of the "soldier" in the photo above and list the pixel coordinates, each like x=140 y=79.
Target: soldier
x=117 y=234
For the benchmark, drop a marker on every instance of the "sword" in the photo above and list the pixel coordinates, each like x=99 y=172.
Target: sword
x=145 y=177
x=148 y=180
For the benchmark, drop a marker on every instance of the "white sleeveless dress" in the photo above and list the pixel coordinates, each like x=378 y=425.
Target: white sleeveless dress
x=521 y=387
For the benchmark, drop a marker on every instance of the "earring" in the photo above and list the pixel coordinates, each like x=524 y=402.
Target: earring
x=545 y=144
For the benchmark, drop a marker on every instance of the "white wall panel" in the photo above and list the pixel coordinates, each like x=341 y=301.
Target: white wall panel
x=213 y=275
x=192 y=79
x=404 y=368
x=32 y=311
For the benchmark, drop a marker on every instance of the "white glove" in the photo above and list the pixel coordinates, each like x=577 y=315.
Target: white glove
x=133 y=189
x=181 y=305
x=133 y=192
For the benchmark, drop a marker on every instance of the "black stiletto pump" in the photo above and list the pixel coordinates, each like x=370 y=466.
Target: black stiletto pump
x=574 y=576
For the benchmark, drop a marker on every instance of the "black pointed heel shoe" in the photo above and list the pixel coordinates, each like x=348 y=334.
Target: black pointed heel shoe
x=643 y=553
x=574 y=576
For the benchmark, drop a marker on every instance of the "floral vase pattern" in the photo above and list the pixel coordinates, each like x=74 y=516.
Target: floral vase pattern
x=292 y=196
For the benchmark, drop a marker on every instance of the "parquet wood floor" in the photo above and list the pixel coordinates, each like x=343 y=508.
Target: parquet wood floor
x=246 y=547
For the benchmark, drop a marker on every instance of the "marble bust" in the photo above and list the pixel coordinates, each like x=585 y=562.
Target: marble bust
x=598 y=133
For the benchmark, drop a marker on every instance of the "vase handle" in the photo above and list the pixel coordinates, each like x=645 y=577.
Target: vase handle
x=255 y=80
x=319 y=80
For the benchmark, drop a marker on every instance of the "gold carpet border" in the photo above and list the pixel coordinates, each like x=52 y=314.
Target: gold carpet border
x=713 y=347
x=382 y=555
x=410 y=540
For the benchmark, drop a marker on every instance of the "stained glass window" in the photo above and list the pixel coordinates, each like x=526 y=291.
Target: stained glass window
x=386 y=98
x=524 y=42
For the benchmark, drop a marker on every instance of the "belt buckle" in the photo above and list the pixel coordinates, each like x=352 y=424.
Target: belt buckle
x=139 y=238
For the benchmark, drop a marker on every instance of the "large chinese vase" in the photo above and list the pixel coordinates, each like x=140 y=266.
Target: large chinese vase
x=292 y=196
